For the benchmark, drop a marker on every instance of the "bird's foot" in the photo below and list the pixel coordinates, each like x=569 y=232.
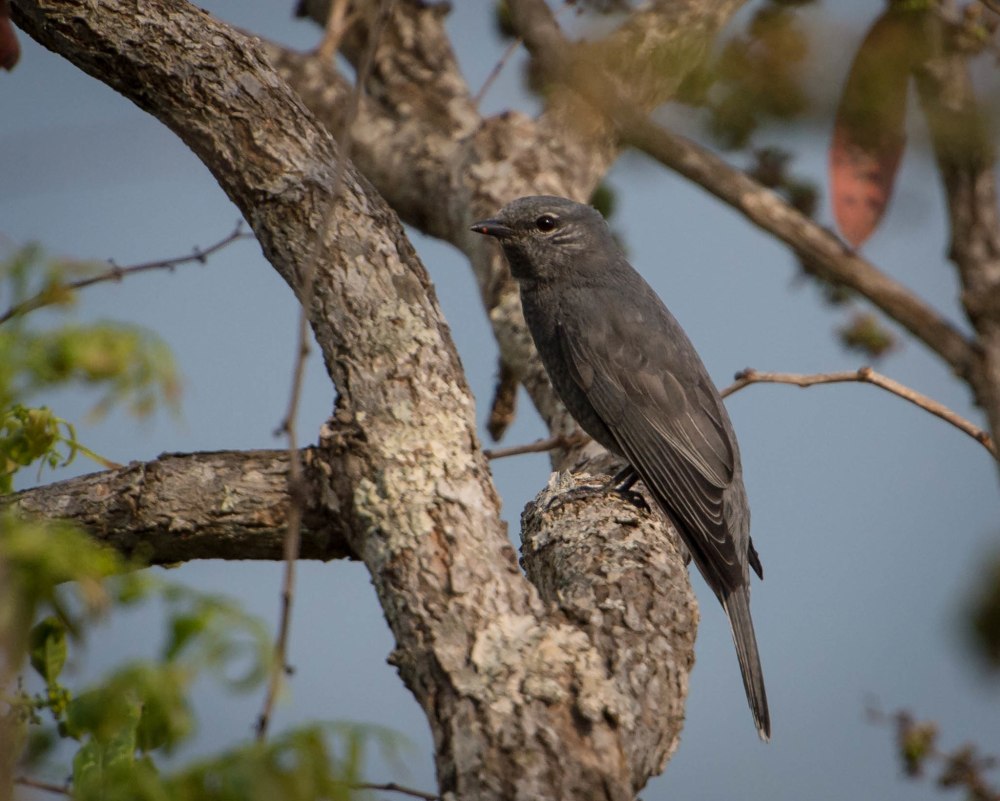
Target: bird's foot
x=622 y=484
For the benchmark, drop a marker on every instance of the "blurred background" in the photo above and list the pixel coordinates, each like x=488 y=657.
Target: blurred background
x=872 y=518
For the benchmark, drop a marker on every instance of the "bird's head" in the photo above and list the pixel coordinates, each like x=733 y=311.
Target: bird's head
x=543 y=236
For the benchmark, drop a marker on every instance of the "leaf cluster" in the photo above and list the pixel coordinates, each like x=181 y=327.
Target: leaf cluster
x=57 y=582
x=756 y=76
x=963 y=768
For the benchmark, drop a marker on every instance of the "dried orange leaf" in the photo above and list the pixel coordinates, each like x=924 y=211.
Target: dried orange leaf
x=868 y=133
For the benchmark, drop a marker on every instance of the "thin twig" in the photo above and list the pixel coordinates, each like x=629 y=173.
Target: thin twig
x=865 y=375
x=392 y=787
x=497 y=68
x=37 y=784
x=502 y=62
x=538 y=446
x=116 y=273
x=337 y=23
x=288 y=424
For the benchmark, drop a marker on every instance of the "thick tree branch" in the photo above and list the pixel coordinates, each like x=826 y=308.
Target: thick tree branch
x=289 y=426
x=414 y=113
x=179 y=507
x=644 y=620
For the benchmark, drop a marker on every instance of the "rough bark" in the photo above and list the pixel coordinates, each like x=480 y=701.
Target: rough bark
x=636 y=608
x=523 y=701
x=222 y=505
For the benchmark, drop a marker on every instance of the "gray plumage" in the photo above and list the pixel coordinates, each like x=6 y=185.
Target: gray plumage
x=630 y=377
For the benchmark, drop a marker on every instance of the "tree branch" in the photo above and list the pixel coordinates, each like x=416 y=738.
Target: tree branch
x=866 y=375
x=290 y=422
x=53 y=294
x=412 y=116
x=392 y=787
x=180 y=507
x=38 y=784
x=643 y=620
x=539 y=446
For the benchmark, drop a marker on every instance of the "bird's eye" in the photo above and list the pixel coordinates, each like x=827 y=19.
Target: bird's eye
x=545 y=223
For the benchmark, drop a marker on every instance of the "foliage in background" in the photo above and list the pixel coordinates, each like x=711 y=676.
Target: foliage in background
x=984 y=616
x=57 y=582
x=963 y=768
x=126 y=364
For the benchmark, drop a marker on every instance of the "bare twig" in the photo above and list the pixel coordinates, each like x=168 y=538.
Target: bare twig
x=495 y=72
x=337 y=23
x=37 y=784
x=116 y=273
x=865 y=375
x=288 y=424
x=538 y=446
x=511 y=49
x=392 y=787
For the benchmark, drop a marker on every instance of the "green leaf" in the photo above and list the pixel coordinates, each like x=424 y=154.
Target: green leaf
x=95 y=764
x=47 y=648
x=212 y=632
x=183 y=629
x=102 y=777
x=166 y=718
x=40 y=558
x=107 y=746
x=90 y=713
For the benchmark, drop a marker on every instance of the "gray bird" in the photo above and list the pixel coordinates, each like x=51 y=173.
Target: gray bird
x=626 y=371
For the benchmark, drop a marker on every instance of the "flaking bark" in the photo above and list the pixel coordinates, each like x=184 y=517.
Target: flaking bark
x=179 y=507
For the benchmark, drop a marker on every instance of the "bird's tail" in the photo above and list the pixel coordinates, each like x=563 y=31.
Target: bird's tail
x=737 y=606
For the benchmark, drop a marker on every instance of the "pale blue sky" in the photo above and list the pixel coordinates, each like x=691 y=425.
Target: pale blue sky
x=870 y=516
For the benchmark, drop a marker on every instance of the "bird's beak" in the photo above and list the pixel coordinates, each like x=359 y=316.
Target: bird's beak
x=493 y=228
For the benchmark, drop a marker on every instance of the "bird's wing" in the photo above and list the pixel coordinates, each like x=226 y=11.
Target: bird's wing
x=656 y=399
